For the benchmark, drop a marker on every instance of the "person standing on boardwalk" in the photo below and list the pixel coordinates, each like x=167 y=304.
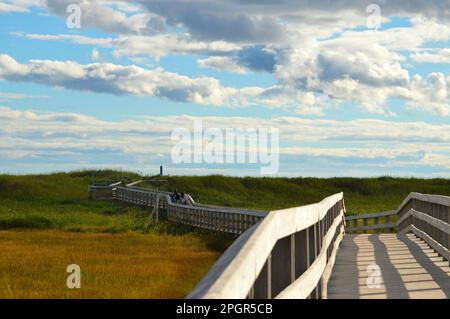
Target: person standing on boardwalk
x=175 y=197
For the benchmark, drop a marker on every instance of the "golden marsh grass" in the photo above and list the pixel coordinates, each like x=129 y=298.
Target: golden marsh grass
x=126 y=265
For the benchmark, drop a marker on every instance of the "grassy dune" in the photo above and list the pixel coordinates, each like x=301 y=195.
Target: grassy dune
x=61 y=201
x=47 y=222
x=362 y=195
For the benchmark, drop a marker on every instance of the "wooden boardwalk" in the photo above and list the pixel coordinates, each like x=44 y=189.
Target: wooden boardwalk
x=388 y=266
x=301 y=252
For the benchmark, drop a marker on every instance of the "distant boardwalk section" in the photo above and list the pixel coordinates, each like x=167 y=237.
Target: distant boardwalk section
x=217 y=218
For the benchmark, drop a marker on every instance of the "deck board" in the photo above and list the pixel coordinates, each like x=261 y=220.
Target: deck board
x=408 y=269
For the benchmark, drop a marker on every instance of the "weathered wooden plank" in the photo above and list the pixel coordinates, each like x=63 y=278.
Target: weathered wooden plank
x=406 y=268
x=443 y=251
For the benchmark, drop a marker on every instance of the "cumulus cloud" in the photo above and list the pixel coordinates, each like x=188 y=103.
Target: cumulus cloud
x=435 y=56
x=276 y=21
x=428 y=94
x=216 y=20
x=221 y=63
x=362 y=68
x=238 y=20
x=107 y=16
x=256 y=58
x=312 y=49
x=8 y=7
x=19 y=5
x=115 y=79
x=123 y=80
x=154 y=46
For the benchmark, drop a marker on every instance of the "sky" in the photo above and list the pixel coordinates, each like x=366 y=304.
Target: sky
x=354 y=88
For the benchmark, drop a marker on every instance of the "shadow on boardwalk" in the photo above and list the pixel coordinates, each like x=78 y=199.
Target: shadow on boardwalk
x=408 y=268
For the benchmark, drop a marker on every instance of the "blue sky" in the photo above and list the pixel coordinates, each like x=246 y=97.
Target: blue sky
x=348 y=100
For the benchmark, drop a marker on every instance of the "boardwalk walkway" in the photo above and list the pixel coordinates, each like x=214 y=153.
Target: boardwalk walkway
x=316 y=251
x=409 y=268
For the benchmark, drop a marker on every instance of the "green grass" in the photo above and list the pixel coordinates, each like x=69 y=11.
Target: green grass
x=61 y=200
x=362 y=195
x=47 y=222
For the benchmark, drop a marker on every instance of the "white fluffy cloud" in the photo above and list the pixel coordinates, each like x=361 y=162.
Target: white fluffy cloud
x=221 y=63
x=366 y=68
x=312 y=49
x=19 y=5
x=435 y=56
x=155 y=46
x=110 y=16
x=122 y=80
x=431 y=94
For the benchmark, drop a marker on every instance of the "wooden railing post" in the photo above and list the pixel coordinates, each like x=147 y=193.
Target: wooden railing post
x=312 y=240
x=448 y=222
x=386 y=221
x=375 y=223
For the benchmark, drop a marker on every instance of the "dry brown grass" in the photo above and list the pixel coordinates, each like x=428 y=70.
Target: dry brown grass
x=127 y=265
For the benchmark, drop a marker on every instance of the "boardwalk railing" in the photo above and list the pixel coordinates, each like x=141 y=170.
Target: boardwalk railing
x=428 y=217
x=103 y=191
x=230 y=220
x=141 y=196
x=376 y=222
x=289 y=254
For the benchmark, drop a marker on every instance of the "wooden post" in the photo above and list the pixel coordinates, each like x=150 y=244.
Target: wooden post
x=448 y=235
x=375 y=222
x=157 y=204
x=364 y=225
x=386 y=221
x=312 y=241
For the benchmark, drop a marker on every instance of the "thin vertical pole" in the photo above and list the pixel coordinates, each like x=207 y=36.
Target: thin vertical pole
x=157 y=204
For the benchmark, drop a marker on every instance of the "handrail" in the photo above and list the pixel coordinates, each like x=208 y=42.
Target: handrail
x=103 y=191
x=428 y=217
x=356 y=223
x=114 y=184
x=134 y=183
x=289 y=254
x=224 y=219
